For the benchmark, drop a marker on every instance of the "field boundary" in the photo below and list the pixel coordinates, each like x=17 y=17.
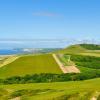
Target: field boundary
x=66 y=69
x=9 y=60
x=17 y=98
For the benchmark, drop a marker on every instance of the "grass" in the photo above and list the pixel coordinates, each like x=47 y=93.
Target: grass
x=78 y=90
x=86 y=63
x=30 y=65
x=65 y=59
x=72 y=49
x=48 y=91
x=78 y=49
x=97 y=54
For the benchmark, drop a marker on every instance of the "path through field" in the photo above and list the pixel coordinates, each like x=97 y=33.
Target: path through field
x=17 y=98
x=94 y=98
x=96 y=95
x=66 y=69
x=9 y=60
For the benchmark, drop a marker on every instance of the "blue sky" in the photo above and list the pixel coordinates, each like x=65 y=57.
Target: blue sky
x=49 y=19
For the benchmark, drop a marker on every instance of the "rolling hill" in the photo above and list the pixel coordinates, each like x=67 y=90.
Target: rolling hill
x=30 y=65
x=72 y=49
x=85 y=57
x=79 y=90
x=36 y=64
x=83 y=49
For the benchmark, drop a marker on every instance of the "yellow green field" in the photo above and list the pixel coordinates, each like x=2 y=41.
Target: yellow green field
x=30 y=65
x=78 y=90
x=36 y=64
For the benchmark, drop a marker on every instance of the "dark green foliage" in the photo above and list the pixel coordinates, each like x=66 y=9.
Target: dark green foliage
x=98 y=97
x=81 y=58
x=86 y=61
x=90 y=46
x=46 y=77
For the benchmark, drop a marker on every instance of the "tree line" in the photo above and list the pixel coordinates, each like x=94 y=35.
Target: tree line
x=48 y=77
x=91 y=46
x=86 y=61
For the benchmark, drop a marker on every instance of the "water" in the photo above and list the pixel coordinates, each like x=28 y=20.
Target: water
x=10 y=51
x=27 y=51
x=6 y=47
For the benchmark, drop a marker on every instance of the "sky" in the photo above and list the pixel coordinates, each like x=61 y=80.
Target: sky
x=49 y=19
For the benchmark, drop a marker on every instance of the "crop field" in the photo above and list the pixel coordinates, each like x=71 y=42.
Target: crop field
x=30 y=65
x=17 y=78
x=78 y=90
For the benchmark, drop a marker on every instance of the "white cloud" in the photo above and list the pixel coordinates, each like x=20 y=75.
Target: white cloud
x=48 y=14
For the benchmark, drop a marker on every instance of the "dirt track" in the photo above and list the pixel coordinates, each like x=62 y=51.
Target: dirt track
x=66 y=69
x=17 y=98
x=9 y=60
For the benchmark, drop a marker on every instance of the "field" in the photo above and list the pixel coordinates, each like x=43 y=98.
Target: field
x=86 y=63
x=30 y=65
x=79 y=50
x=52 y=87
x=72 y=49
x=78 y=90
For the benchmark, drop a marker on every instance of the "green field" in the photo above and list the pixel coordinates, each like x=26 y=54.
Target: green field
x=65 y=59
x=86 y=63
x=30 y=65
x=87 y=59
x=78 y=90
x=72 y=49
x=79 y=49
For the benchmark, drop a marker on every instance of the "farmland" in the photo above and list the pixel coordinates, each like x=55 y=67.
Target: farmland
x=79 y=90
x=30 y=65
x=39 y=77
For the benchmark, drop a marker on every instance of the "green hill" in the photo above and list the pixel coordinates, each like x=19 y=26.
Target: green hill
x=72 y=49
x=79 y=90
x=90 y=46
x=43 y=63
x=30 y=65
x=33 y=65
x=83 y=49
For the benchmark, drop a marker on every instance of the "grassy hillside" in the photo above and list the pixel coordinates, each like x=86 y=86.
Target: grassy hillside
x=83 y=49
x=72 y=49
x=86 y=61
x=30 y=65
x=87 y=64
x=90 y=46
x=79 y=90
x=44 y=63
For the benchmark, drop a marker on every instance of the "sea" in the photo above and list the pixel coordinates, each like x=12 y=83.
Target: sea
x=10 y=51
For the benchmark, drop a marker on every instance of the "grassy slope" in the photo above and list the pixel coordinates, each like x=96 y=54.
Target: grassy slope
x=46 y=64
x=91 y=46
x=78 y=49
x=30 y=65
x=41 y=63
x=72 y=49
x=58 y=89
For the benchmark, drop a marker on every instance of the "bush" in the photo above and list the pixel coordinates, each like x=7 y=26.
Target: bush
x=47 y=77
x=86 y=61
